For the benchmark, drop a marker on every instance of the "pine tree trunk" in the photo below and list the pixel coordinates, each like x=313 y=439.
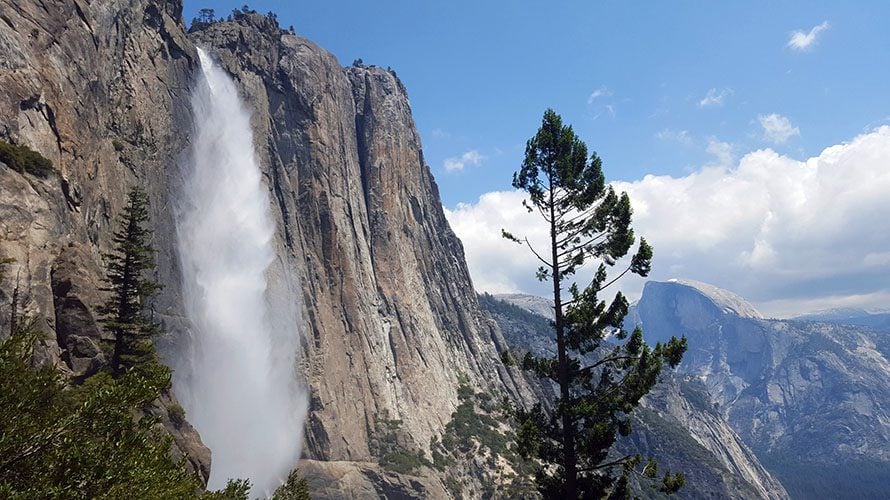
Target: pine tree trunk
x=116 y=356
x=568 y=434
x=14 y=315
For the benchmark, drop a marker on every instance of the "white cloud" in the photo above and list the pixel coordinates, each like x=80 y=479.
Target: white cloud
x=777 y=128
x=789 y=235
x=714 y=98
x=802 y=41
x=680 y=136
x=471 y=157
x=723 y=151
x=603 y=91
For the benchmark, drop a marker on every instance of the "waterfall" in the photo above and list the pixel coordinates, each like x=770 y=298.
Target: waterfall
x=237 y=379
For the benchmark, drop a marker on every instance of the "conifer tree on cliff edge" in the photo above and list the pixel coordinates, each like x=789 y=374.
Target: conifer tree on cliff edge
x=599 y=384
x=124 y=312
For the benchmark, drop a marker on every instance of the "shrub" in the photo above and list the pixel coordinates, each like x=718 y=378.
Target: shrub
x=295 y=488
x=403 y=461
x=177 y=415
x=24 y=160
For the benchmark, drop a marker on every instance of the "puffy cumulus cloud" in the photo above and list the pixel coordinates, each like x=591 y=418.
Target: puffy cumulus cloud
x=792 y=236
x=805 y=40
x=498 y=265
x=777 y=128
x=459 y=162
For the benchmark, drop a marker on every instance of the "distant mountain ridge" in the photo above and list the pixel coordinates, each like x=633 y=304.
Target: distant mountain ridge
x=811 y=399
x=810 y=395
x=850 y=316
x=532 y=303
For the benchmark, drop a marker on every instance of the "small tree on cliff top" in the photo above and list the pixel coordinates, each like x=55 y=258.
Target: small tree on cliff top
x=124 y=312
x=587 y=222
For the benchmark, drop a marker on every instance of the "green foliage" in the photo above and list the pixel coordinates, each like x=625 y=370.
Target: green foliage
x=177 y=415
x=127 y=265
x=295 y=488
x=403 y=461
x=468 y=427
x=58 y=441
x=587 y=221
x=24 y=160
x=480 y=428
x=92 y=440
x=672 y=483
x=118 y=145
x=236 y=489
x=391 y=450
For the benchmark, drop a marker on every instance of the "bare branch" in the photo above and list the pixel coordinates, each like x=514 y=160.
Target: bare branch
x=548 y=264
x=602 y=362
x=613 y=463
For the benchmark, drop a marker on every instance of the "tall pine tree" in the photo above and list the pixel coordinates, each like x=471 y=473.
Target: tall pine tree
x=599 y=383
x=127 y=268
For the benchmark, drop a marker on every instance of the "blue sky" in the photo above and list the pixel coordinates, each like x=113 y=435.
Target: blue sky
x=747 y=133
x=480 y=75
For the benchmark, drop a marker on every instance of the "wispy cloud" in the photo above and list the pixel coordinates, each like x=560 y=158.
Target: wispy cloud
x=714 y=97
x=669 y=135
x=471 y=157
x=803 y=41
x=777 y=128
x=603 y=91
x=606 y=109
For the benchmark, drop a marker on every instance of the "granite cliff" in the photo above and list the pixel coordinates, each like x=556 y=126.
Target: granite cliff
x=391 y=323
x=101 y=90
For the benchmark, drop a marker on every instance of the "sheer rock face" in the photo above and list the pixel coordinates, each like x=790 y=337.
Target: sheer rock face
x=101 y=89
x=392 y=320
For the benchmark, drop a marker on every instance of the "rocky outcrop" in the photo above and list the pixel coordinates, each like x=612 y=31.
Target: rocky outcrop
x=391 y=317
x=101 y=89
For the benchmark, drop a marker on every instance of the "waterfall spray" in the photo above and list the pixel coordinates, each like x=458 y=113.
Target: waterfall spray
x=238 y=379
